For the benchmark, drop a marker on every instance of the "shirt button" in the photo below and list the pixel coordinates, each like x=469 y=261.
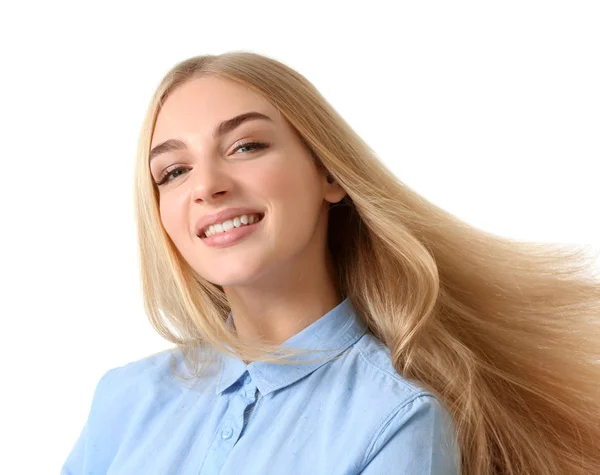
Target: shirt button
x=227 y=433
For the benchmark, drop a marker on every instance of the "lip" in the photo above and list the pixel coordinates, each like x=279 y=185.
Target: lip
x=206 y=221
x=232 y=236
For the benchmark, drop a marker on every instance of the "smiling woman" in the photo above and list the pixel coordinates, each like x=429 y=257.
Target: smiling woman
x=326 y=318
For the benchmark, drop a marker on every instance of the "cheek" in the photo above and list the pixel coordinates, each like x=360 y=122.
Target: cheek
x=290 y=181
x=272 y=182
x=296 y=195
x=172 y=219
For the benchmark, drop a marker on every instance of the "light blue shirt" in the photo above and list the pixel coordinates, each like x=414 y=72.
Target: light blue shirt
x=350 y=413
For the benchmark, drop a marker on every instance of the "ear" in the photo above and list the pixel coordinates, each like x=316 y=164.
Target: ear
x=334 y=193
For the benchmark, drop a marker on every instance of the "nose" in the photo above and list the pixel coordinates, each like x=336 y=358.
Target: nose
x=209 y=182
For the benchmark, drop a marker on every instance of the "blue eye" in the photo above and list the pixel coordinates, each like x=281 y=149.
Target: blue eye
x=255 y=145
x=168 y=174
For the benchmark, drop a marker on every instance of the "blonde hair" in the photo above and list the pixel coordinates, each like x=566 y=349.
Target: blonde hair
x=505 y=333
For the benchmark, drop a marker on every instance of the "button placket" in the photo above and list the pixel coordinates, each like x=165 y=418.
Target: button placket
x=234 y=425
x=248 y=390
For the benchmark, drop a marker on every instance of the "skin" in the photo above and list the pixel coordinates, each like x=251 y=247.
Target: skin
x=280 y=279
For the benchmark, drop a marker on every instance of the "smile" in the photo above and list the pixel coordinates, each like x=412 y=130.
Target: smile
x=234 y=233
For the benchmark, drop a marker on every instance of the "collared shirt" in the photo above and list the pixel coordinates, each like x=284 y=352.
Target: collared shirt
x=349 y=413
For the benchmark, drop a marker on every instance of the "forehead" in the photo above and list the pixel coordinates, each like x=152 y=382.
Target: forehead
x=197 y=106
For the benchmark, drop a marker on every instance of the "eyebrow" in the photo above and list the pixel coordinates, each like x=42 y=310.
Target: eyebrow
x=223 y=128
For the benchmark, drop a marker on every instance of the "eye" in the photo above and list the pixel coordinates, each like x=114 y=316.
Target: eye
x=167 y=176
x=253 y=145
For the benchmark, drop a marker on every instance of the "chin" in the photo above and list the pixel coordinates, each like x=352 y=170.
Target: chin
x=232 y=276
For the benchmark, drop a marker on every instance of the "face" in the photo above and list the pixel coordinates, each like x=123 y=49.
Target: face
x=274 y=173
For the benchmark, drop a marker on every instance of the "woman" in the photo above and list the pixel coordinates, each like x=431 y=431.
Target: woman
x=327 y=319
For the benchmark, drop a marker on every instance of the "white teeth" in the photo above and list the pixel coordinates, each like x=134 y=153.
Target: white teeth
x=231 y=223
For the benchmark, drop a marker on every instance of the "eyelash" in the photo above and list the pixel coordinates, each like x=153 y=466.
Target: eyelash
x=167 y=173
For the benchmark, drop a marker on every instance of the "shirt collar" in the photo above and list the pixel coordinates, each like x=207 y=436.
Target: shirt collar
x=335 y=331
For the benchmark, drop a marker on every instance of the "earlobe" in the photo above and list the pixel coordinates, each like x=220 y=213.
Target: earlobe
x=336 y=193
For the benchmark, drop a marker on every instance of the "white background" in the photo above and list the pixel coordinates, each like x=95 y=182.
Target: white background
x=488 y=109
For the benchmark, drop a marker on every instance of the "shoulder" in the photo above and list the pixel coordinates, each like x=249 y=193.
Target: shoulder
x=144 y=388
x=374 y=365
x=148 y=370
x=143 y=384
x=131 y=380
x=374 y=362
x=124 y=398
x=402 y=423
x=409 y=416
x=152 y=367
x=364 y=381
x=161 y=376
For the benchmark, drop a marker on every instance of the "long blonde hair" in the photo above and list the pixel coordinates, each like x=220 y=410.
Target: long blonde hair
x=505 y=333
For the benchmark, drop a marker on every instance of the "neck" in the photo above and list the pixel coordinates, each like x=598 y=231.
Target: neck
x=277 y=308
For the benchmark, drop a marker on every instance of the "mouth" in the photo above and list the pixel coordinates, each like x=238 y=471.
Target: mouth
x=203 y=235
